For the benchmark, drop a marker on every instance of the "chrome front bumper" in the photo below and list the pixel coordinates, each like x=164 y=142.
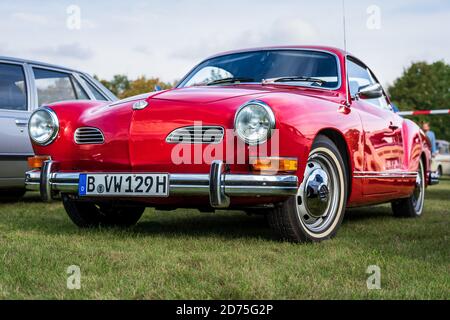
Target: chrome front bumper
x=218 y=185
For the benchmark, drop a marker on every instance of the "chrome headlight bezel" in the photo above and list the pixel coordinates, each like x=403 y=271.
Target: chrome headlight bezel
x=270 y=116
x=54 y=124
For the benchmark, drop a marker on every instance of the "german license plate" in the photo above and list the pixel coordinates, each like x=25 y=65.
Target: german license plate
x=129 y=185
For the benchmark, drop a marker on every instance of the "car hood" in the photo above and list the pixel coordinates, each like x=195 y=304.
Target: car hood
x=206 y=94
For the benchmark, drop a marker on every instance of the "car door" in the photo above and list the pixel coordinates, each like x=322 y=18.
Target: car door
x=383 y=141
x=15 y=102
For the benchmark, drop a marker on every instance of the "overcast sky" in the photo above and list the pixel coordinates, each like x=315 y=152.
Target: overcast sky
x=166 y=38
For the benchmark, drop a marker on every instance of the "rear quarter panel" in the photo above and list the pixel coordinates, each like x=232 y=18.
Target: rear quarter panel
x=416 y=147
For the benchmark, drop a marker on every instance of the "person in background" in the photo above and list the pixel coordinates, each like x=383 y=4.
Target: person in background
x=430 y=134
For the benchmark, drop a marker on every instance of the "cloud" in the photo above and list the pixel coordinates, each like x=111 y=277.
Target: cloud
x=73 y=50
x=283 y=31
x=142 y=49
x=30 y=18
x=5 y=50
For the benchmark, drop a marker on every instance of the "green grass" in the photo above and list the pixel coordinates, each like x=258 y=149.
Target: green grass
x=191 y=255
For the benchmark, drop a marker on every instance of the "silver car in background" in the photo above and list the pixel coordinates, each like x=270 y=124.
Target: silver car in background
x=441 y=160
x=24 y=86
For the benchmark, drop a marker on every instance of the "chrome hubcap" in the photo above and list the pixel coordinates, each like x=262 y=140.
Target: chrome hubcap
x=316 y=193
x=317 y=197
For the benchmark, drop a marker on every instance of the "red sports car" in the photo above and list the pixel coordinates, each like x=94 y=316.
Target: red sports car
x=297 y=133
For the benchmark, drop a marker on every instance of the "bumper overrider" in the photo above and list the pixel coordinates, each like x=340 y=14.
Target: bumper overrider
x=218 y=185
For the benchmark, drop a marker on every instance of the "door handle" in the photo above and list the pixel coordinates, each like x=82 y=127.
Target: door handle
x=392 y=126
x=21 y=122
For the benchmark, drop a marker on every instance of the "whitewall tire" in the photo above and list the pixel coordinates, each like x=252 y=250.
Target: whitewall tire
x=317 y=211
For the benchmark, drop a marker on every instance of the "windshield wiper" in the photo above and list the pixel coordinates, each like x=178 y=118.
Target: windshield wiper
x=230 y=80
x=294 y=79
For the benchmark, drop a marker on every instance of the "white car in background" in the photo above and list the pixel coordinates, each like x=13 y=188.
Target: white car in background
x=441 y=161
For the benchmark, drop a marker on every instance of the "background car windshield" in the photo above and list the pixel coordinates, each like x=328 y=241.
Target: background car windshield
x=269 y=64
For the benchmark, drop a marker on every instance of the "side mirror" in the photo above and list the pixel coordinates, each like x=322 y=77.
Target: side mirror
x=371 y=91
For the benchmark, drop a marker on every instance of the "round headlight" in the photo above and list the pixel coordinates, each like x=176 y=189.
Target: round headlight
x=254 y=122
x=43 y=126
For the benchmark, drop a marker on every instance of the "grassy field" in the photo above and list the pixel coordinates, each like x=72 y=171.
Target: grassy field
x=192 y=255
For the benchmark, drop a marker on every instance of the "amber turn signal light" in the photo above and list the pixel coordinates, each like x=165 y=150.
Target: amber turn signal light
x=37 y=162
x=274 y=164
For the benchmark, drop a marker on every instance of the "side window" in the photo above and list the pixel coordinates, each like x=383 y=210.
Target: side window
x=97 y=94
x=13 y=88
x=55 y=86
x=208 y=74
x=382 y=102
x=360 y=76
x=443 y=149
x=80 y=93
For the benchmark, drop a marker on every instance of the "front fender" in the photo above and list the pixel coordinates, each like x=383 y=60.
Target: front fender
x=300 y=123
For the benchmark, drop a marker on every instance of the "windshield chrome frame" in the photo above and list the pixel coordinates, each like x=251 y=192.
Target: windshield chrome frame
x=339 y=68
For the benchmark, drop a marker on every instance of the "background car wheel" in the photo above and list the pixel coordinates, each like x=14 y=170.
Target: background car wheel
x=317 y=211
x=12 y=195
x=412 y=207
x=88 y=214
x=440 y=171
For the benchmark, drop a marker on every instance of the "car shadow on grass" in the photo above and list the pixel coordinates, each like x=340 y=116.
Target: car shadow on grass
x=233 y=224
x=175 y=224
x=27 y=198
x=367 y=213
x=226 y=225
x=179 y=223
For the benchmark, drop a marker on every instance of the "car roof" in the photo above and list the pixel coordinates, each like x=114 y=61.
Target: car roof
x=44 y=64
x=442 y=142
x=337 y=51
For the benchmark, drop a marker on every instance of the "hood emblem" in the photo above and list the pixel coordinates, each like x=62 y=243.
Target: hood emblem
x=139 y=105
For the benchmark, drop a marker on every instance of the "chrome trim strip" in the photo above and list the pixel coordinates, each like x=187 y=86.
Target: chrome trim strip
x=384 y=175
x=217 y=185
x=142 y=96
x=387 y=177
x=385 y=172
x=192 y=138
x=86 y=133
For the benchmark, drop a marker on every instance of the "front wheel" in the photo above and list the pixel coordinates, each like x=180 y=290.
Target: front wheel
x=89 y=214
x=412 y=207
x=317 y=211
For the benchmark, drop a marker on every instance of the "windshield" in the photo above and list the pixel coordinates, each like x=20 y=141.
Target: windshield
x=254 y=67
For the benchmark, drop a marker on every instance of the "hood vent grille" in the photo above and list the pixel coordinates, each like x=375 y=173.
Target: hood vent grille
x=89 y=135
x=196 y=135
